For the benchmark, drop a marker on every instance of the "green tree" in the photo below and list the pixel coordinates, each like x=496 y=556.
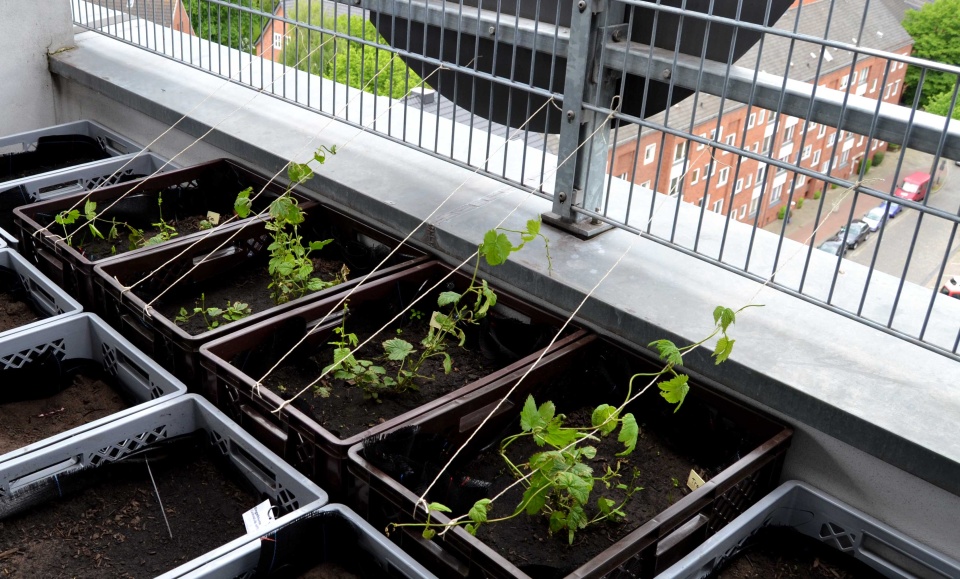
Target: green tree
x=940 y=105
x=935 y=30
x=347 y=61
x=229 y=26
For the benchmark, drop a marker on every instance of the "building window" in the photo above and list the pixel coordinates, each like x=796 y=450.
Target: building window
x=775 y=194
x=718 y=206
x=760 y=171
x=277 y=40
x=864 y=74
x=896 y=88
x=729 y=141
x=822 y=131
x=749 y=181
x=860 y=141
x=816 y=158
x=743 y=211
x=843 y=81
x=845 y=158
x=738 y=186
x=674 y=185
x=694 y=176
x=624 y=175
x=873 y=86
x=760 y=116
x=751 y=120
x=766 y=144
x=783 y=159
x=831 y=139
x=645 y=184
x=886 y=92
x=679 y=152
x=756 y=147
x=825 y=168
x=700 y=146
x=801 y=180
x=754 y=205
x=724 y=176
x=806 y=153
x=788 y=135
x=649 y=153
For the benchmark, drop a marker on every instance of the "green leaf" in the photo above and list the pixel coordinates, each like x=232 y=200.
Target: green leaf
x=605 y=505
x=95 y=231
x=534 y=499
x=495 y=248
x=318 y=245
x=555 y=435
x=439 y=507
x=90 y=210
x=478 y=513
x=577 y=487
x=723 y=349
x=558 y=521
x=447 y=363
x=299 y=172
x=285 y=208
x=605 y=418
x=723 y=317
x=243 y=205
x=472 y=529
x=429 y=533
x=547 y=411
x=675 y=390
x=529 y=417
x=67 y=217
x=576 y=519
x=668 y=351
x=629 y=431
x=533 y=230
x=448 y=298
x=588 y=452
x=397 y=349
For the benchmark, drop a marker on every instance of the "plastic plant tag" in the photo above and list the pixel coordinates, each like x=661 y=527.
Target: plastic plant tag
x=213 y=217
x=258 y=516
x=694 y=481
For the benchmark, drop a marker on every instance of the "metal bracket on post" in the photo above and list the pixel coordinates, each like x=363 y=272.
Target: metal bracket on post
x=584 y=136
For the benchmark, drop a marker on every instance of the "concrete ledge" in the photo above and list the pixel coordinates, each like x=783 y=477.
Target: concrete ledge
x=847 y=388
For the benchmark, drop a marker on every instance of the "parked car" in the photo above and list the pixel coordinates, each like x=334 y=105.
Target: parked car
x=914 y=187
x=875 y=217
x=951 y=287
x=858 y=232
x=833 y=246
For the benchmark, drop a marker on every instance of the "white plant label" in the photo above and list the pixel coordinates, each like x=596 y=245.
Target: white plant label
x=258 y=517
x=694 y=481
x=213 y=217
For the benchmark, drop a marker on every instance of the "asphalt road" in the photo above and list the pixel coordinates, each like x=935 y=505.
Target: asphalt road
x=924 y=242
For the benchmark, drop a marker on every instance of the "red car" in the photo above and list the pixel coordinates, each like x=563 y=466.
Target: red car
x=914 y=187
x=951 y=287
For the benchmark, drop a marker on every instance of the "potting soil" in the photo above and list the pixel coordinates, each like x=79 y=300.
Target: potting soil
x=16 y=308
x=113 y=527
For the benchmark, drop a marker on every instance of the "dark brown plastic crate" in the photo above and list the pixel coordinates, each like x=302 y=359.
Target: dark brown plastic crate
x=571 y=372
x=221 y=257
x=304 y=443
x=211 y=186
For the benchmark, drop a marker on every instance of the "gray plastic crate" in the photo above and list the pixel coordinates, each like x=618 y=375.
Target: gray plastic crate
x=75 y=180
x=813 y=513
x=52 y=301
x=332 y=534
x=86 y=177
x=142 y=381
x=41 y=473
x=114 y=143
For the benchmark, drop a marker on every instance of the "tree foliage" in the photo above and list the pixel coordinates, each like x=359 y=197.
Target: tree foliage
x=935 y=30
x=940 y=105
x=229 y=26
x=345 y=60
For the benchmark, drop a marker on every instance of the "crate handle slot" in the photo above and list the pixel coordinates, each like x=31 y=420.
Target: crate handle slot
x=472 y=420
x=674 y=546
x=250 y=465
x=128 y=370
x=40 y=475
x=43 y=299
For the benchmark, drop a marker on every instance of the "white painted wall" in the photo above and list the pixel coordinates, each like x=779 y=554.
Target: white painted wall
x=30 y=31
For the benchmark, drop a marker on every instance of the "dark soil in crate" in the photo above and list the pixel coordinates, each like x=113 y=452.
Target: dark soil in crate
x=345 y=412
x=88 y=398
x=786 y=554
x=698 y=438
x=524 y=540
x=248 y=285
x=15 y=312
x=113 y=527
x=95 y=248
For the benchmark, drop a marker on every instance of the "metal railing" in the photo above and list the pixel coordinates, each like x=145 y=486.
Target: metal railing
x=775 y=122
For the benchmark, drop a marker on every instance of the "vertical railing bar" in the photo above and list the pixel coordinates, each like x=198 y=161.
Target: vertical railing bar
x=663 y=137
x=533 y=57
x=493 y=70
x=548 y=110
